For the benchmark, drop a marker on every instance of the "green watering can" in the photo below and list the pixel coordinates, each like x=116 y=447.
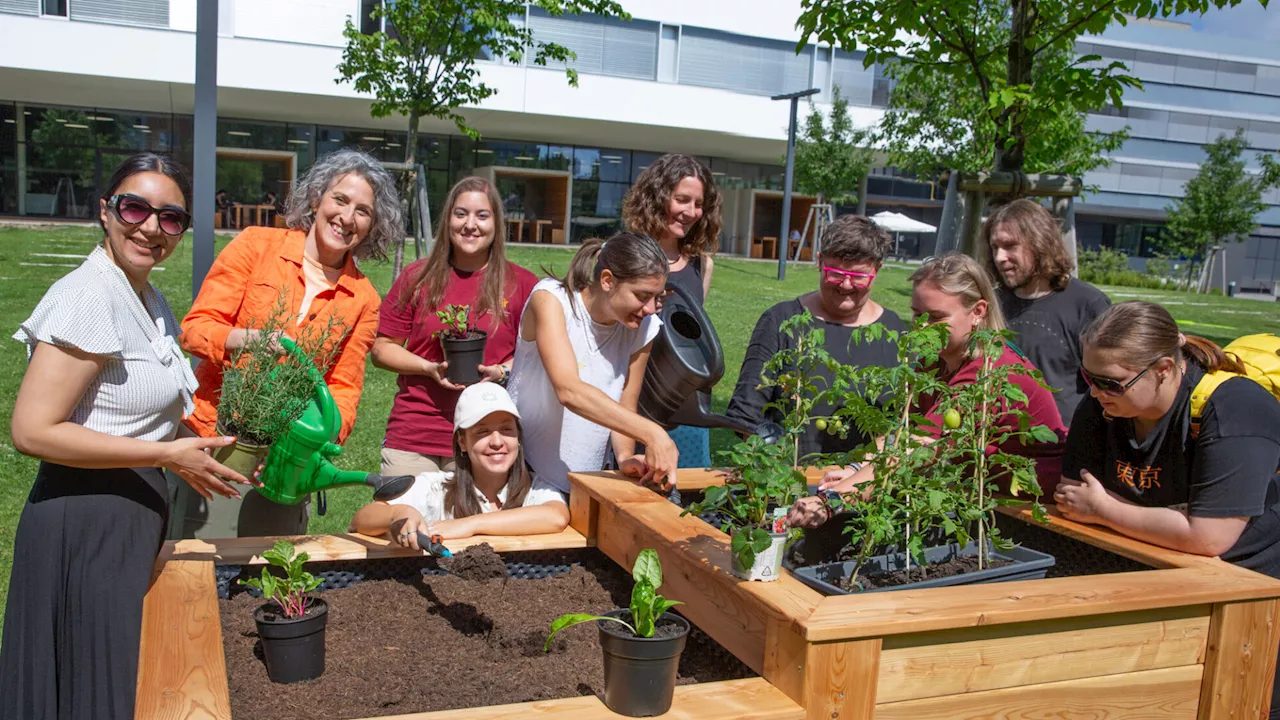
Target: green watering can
x=300 y=463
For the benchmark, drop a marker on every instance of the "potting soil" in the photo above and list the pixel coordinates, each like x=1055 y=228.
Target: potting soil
x=478 y=562
x=954 y=566
x=436 y=642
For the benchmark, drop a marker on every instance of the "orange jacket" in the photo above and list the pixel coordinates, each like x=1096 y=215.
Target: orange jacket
x=244 y=283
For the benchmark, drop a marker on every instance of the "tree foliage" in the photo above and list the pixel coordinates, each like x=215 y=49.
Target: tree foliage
x=1001 y=71
x=424 y=65
x=832 y=156
x=1221 y=202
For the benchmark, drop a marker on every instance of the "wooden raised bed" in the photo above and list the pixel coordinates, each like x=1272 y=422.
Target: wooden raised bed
x=1193 y=637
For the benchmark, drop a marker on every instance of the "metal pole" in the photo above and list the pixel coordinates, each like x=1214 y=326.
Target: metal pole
x=946 y=239
x=204 y=154
x=785 y=233
x=784 y=237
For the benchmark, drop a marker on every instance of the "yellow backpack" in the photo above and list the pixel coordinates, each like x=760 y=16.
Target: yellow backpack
x=1260 y=356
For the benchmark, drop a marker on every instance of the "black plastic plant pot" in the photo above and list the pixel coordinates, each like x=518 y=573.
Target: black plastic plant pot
x=464 y=357
x=1025 y=564
x=293 y=647
x=640 y=673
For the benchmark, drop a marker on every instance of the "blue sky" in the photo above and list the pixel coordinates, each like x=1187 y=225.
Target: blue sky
x=1246 y=20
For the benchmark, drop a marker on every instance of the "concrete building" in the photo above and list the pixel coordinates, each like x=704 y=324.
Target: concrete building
x=84 y=82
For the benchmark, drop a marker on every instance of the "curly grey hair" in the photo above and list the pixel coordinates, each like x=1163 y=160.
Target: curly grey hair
x=388 y=214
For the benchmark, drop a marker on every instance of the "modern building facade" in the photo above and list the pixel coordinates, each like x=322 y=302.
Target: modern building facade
x=83 y=82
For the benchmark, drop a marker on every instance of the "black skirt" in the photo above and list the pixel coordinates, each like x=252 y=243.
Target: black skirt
x=82 y=562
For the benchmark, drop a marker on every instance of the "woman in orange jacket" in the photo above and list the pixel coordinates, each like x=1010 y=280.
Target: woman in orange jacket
x=345 y=209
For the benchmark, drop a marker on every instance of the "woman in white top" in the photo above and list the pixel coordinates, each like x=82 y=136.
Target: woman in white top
x=580 y=361
x=100 y=405
x=489 y=475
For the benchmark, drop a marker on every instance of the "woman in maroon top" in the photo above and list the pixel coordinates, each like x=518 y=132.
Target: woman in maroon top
x=467 y=266
x=954 y=289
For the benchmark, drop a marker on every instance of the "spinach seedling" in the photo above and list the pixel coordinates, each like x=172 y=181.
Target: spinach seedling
x=646 y=604
x=289 y=591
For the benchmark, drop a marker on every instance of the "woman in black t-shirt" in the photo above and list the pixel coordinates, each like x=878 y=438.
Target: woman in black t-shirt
x=1135 y=463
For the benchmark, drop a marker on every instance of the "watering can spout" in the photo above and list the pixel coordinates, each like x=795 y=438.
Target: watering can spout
x=301 y=462
x=685 y=363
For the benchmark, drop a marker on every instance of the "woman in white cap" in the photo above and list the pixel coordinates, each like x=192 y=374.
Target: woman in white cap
x=490 y=475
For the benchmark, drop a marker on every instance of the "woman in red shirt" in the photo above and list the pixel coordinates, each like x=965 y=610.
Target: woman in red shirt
x=954 y=289
x=467 y=266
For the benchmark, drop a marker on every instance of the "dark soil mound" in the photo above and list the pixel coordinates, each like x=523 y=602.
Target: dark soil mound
x=478 y=562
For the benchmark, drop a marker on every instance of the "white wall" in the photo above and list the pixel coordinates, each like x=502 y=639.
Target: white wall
x=759 y=18
x=316 y=22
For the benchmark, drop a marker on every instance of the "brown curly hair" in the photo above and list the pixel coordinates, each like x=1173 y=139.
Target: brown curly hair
x=644 y=210
x=1043 y=234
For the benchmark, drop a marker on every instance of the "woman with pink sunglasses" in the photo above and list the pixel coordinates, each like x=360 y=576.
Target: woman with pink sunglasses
x=853 y=249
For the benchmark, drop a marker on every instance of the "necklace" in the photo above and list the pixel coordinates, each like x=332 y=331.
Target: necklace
x=317 y=264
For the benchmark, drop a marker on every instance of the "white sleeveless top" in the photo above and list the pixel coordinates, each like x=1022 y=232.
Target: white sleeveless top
x=556 y=441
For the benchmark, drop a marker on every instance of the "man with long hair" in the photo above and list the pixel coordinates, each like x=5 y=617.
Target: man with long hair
x=1043 y=305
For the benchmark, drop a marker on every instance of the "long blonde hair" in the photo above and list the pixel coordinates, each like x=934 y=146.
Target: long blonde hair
x=961 y=276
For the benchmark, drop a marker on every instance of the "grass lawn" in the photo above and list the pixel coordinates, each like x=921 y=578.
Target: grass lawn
x=742 y=291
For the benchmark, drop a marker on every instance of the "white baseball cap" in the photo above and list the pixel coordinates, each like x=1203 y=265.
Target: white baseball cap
x=478 y=401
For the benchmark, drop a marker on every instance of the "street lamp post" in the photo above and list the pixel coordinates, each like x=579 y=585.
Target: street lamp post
x=784 y=241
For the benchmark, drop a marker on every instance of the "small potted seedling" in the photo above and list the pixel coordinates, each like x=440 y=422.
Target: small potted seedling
x=463 y=344
x=291 y=623
x=264 y=392
x=765 y=479
x=641 y=644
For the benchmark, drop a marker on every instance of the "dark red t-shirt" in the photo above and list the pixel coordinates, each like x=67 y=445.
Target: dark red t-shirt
x=1041 y=406
x=422 y=416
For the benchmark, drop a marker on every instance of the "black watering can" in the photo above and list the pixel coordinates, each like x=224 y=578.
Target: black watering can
x=685 y=363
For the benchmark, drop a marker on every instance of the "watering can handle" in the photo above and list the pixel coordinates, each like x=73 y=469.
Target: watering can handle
x=324 y=398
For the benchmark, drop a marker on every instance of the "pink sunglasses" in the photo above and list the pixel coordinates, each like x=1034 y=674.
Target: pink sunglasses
x=836 y=276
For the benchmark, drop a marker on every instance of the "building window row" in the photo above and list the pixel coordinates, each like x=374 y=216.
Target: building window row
x=1183 y=127
x=1188 y=70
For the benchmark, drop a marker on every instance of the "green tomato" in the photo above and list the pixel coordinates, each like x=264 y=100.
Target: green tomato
x=820 y=423
x=951 y=419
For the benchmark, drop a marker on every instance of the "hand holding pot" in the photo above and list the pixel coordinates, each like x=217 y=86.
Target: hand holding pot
x=438 y=371
x=809 y=512
x=492 y=373
x=189 y=458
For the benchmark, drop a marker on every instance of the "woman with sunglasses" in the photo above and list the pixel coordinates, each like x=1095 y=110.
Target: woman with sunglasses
x=954 y=289
x=100 y=405
x=675 y=201
x=346 y=208
x=853 y=250
x=1138 y=464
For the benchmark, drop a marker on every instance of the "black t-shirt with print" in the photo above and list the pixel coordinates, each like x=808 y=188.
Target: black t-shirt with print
x=1048 y=330
x=1228 y=471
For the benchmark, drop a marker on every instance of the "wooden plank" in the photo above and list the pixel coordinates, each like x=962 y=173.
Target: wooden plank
x=182 y=673
x=610 y=485
x=584 y=512
x=785 y=652
x=840 y=680
x=953 y=662
x=703 y=478
x=1165 y=694
x=750 y=699
x=1241 y=660
x=1112 y=541
x=353 y=546
x=911 y=611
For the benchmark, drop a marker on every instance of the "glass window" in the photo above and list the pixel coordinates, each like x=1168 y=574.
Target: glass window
x=8 y=160
x=53 y=7
x=255 y=135
x=602 y=164
x=640 y=161
x=597 y=209
x=557 y=157
x=433 y=151
x=509 y=153
x=368 y=25
x=301 y=140
x=463 y=156
x=58 y=126
x=132 y=131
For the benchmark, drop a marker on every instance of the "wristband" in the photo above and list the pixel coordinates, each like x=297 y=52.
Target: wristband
x=506 y=375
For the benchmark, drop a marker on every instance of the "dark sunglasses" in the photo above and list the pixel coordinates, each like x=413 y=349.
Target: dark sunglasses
x=133 y=210
x=1108 y=386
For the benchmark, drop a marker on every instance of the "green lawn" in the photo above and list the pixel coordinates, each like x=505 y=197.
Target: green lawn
x=743 y=290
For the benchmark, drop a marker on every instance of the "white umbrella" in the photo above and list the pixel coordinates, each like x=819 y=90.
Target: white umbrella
x=898 y=223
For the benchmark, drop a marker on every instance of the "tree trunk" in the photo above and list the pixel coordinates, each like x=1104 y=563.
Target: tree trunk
x=409 y=191
x=1011 y=148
